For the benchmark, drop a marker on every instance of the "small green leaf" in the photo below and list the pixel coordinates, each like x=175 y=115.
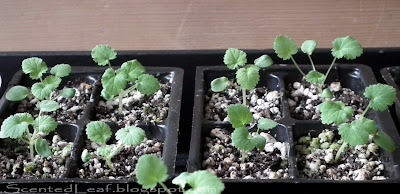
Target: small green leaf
x=259 y=141
x=16 y=125
x=384 y=141
x=309 y=46
x=105 y=150
x=265 y=124
x=358 y=131
x=48 y=105
x=248 y=77
x=239 y=115
x=35 y=67
x=285 y=47
x=315 y=77
x=45 y=124
x=103 y=54
x=326 y=93
x=61 y=70
x=134 y=69
x=68 y=93
x=85 y=156
x=114 y=82
x=98 y=132
x=346 y=47
x=219 y=84
x=17 y=93
x=106 y=95
x=264 y=61
x=147 y=84
x=42 y=90
x=235 y=58
x=381 y=96
x=204 y=182
x=42 y=147
x=151 y=170
x=130 y=135
x=335 y=112
x=242 y=140
x=181 y=180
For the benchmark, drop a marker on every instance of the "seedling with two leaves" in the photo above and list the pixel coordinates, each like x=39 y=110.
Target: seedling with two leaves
x=247 y=75
x=99 y=132
x=131 y=73
x=18 y=126
x=240 y=116
x=343 y=47
x=151 y=170
x=358 y=131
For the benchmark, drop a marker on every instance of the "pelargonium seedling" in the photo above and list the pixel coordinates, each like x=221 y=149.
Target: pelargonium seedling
x=99 y=132
x=240 y=116
x=343 y=47
x=18 y=126
x=131 y=73
x=358 y=131
x=151 y=171
x=247 y=75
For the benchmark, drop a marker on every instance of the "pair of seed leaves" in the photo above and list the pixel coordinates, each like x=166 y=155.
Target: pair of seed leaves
x=357 y=132
x=240 y=116
x=343 y=47
x=247 y=76
x=116 y=81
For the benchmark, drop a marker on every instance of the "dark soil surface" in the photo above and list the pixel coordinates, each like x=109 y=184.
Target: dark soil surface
x=318 y=161
x=304 y=99
x=15 y=162
x=70 y=109
x=262 y=103
x=136 y=108
x=223 y=159
x=124 y=163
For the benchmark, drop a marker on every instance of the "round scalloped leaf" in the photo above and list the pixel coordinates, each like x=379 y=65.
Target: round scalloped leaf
x=68 y=93
x=315 y=77
x=285 y=47
x=130 y=135
x=48 y=105
x=259 y=141
x=384 y=141
x=309 y=46
x=235 y=58
x=114 y=81
x=242 y=140
x=335 y=112
x=98 y=132
x=147 y=84
x=103 y=54
x=61 y=70
x=16 y=125
x=219 y=84
x=358 y=131
x=381 y=96
x=134 y=69
x=239 y=115
x=204 y=181
x=35 y=67
x=346 y=47
x=151 y=170
x=45 y=124
x=266 y=124
x=264 y=61
x=105 y=150
x=42 y=147
x=17 y=93
x=43 y=89
x=248 y=77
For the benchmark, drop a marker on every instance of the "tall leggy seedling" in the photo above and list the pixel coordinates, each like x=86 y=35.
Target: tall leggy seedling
x=247 y=76
x=18 y=126
x=131 y=73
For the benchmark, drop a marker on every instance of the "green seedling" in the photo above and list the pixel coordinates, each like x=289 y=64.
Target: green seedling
x=358 y=131
x=247 y=75
x=240 y=116
x=18 y=126
x=99 y=132
x=131 y=73
x=151 y=171
x=343 y=47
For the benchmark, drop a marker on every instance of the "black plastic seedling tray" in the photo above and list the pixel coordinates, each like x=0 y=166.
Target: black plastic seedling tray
x=166 y=131
x=278 y=77
x=392 y=77
x=10 y=63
